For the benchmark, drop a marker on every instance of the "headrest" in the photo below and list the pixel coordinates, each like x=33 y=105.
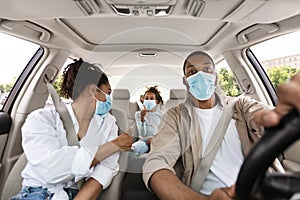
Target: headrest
x=177 y=94
x=121 y=94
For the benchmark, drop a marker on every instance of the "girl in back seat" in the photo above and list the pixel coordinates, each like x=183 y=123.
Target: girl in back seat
x=148 y=119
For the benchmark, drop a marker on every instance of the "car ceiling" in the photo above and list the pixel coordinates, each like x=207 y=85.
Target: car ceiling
x=88 y=27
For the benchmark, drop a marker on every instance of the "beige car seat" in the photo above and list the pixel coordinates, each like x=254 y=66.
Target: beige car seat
x=13 y=182
x=176 y=96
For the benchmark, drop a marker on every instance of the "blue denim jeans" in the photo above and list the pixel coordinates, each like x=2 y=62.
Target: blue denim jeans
x=33 y=193
x=39 y=193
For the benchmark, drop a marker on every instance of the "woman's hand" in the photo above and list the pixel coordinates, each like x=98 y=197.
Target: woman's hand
x=143 y=113
x=123 y=142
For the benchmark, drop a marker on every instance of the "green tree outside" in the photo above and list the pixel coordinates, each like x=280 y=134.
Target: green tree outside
x=57 y=84
x=6 y=88
x=281 y=74
x=228 y=82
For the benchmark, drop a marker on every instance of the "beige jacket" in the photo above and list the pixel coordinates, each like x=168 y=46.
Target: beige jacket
x=179 y=137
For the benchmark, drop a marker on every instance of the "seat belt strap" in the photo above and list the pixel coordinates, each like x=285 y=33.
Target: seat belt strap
x=65 y=116
x=61 y=108
x=207 y=161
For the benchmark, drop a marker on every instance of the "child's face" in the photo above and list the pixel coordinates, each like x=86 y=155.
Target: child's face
x=150 y=96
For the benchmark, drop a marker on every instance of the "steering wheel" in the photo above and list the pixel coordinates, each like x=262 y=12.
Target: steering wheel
x=254 y=182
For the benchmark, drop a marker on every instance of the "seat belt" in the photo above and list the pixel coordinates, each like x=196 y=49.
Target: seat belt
x=207 y=161
x=61 y=108
x=65 y=116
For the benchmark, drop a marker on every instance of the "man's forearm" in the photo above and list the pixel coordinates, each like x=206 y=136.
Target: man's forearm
x=167 y=186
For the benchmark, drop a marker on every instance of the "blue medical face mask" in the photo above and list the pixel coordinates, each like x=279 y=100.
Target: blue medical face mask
x=103 y=108
x=202 y=85
x=149 y=104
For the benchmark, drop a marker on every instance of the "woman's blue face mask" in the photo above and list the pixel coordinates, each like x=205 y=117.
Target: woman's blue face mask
x=103 y=108
x=202 y=85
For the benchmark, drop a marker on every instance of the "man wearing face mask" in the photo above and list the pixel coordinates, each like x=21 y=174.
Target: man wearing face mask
x=54 y=167
x=190 y=135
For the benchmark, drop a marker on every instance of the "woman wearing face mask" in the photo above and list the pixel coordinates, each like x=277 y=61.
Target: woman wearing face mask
x=148 y=119
x=53 y=166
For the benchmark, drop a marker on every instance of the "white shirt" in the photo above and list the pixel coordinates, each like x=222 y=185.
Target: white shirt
x=229 y=157
x=52 y=163
x=150 y=126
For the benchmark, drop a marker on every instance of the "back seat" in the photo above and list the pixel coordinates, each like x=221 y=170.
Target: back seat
x=177 y=96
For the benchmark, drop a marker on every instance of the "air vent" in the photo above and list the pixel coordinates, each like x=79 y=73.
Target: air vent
x=88 y=7
x=195 y=7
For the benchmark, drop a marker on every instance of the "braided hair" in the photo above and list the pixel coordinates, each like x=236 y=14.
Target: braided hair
x=78 y=75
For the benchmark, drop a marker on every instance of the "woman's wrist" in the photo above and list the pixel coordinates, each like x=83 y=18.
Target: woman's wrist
x=115 y=145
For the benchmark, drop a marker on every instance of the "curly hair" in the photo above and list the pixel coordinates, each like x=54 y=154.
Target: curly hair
x=154 y=90
x=78 y=75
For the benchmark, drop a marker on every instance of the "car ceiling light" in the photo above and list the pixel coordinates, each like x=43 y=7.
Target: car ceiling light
x=142 y=8
x=88 y=7
x=148 y=54
x=195 y=7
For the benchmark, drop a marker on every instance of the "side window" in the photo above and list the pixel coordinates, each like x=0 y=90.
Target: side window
x=227 y=80
x=57 y=84
x=15 y=54
x=280 y=57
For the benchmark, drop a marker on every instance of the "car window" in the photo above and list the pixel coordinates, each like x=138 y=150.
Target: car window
x=227 y=80
x=140 y=91
x=279 y=57
x=15 y=54
x=57 y=84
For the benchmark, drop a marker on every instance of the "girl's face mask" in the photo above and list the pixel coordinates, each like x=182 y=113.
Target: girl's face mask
x=202 y=85
x=103 y=108
x=149 y=104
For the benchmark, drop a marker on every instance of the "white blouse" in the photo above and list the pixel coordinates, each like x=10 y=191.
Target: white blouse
x=53 y=164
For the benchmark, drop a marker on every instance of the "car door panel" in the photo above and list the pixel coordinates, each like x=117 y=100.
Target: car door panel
x=291 y=159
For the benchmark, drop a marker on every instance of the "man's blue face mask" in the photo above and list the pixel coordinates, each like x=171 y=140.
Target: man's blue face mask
x=103 y=108
x=202 y=85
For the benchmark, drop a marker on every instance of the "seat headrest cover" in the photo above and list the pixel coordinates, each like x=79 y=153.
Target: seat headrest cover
x=177 y=94
x=121 y=94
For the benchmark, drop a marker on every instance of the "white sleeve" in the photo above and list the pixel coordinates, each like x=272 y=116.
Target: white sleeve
x=141 y=126
x=46 y=148
x=107 y=168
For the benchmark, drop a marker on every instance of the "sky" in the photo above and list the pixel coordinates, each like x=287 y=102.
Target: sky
x=11 y=66
x=279 y=47
x=14 y=54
